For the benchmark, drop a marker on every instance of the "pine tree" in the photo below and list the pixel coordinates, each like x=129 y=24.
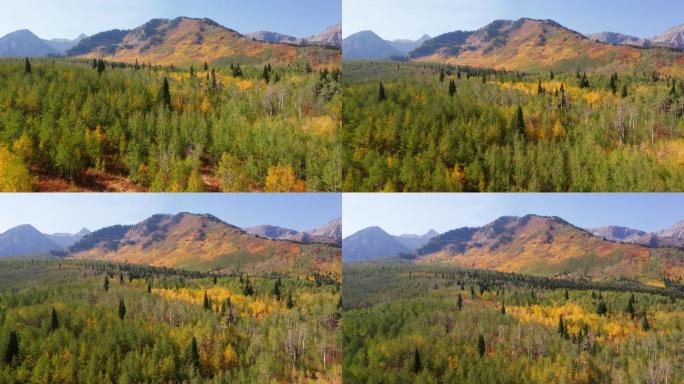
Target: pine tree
x=192 y=71
x=472 y=292
x=562 y=103
x=540 y=89
x=624 y=91
x=518 y=122
x=417 y=366
x=165 y=94
x=214 y=84
x=567 y=295
x=459 y=302
x=122 y=309
x=207 y=304
x=630 y=307
x=266 y=76
x=381 y=93
x=562 y=329
x=54 y=322
x=584 y=81
x=12 y=349
x=206 y=66
x=601 y=308
x=27 y=67
x=194 y=354
x=503 y=308
x=248 y=290
x=452 y=87
x=644 y=324
x=552 y=76
x=149 y=286
x=441 y=75
x=100 y=66
x=613 y=83
x=106 y=283
x=481 y=345
x=276 y=290
x=290 y=303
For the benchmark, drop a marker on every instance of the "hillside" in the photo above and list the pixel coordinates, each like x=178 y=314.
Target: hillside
x=26 y=240
x=539 y=45
x=330 y=233
x=185 y=41
x=550 y=246
x=370 y=244
x=24 y=43
x=203 y=242
x=366 y=45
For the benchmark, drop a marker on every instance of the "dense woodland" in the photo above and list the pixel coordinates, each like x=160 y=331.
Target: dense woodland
x=404 y=322
x=65 y=321
x=81 y=125
x=432 y=127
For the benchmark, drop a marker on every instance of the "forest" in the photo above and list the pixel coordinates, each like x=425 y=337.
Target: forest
x=80 y=125
x=67 y=321
x=405 y=322
x=434 y=127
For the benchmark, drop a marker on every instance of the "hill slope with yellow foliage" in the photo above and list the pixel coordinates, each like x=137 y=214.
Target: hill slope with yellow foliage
x=204 y=242
x=550 y=246
x=186 y=41
x=535 y=45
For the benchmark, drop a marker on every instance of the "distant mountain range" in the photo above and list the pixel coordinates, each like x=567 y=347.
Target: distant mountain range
x=23 y=43
x=330 y=233
x=374 y=243
x=530 y=44
x=181 y=41
x=672 y=38
x=332 y=36
x=26 y=240
x=366 y=45
x=539 y=245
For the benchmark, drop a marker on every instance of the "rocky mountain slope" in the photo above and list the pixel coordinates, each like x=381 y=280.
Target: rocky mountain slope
x=374 y=243
x=330 y=233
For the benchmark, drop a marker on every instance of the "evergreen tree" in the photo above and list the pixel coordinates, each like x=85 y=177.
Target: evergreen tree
x=613 y=83
x=459 y=302
x=194 y=354
x=290 y=303
x=27 y=67
x=265 y=75
x=452 y=87
x=106 y=283
x=630 y=307
x=149 y=286
x=207 y=303
x=481 y=345
x=12 y=348
x=562 y=102
x=540 y=89
x=552 y=76
x=165 y=94
x=503 y=308
x=417 y=366
x=472 y=292
x=192 y=71
x=206 y=66
x=54 y=322
x=100 y=66
x=248 y=290
x=644 y=324
x=624 y=91
x=601 y=308
x=381 y=93
x=276 y=290
x=562 y=329
x=122 y=309
x=518 y=122
x=441 y=75
x=567 y=295
x=214 y=83
x=584 y=81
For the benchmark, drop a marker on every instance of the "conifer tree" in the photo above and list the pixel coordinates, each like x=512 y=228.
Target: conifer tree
x=567 y=295
x=518 y=122
x=417 y=365
x=165 y=95
x=624 y=91
x=54 y=321
x=194 y=354
x=27 y=67
x=503 y=308
x=248 y=290
x=552 y=75
x=265 y=75
x=206 y=66
x=276 y=290
x=122 y=309
x=540 y=89
x=100 y=66
x=613 y=83
x=381 y=93
x=290 y=303
x=601 y=308
x=106 y=283
x=452 y=87
x=630 y=307
x=207 y=304
x=644 y=324
x=459 y=302
x=481 y=345
x=214 y=84
x=12 y=348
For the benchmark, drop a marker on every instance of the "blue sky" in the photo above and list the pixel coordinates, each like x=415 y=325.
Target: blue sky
x=69 y=212
x=69 y=18
x=417 y=213
x=393 y=19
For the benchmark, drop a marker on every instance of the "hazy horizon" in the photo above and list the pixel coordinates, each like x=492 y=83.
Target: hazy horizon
x=415 y=213
x=404 y=19
x=68 y=213
x=68 y=19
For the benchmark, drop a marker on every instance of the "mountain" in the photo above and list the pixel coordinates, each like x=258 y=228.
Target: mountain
x=366 y=45
x=618 y=38
x=203 y=242
x=275 y=37
x=371 y=244
x=184 y=40
x=405 y=46
x=539 y=45
x=330 y=233
x=24 y=43
x=669 y=237
x=674 y=37
x=332 y=36
x=25 y=240
x=550 y=246
x=413 y=242
x=65 y=240
x=63 y=45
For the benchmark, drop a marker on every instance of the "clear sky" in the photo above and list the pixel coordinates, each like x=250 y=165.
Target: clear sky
x=417 y=213
x=69 y=212
x=393 y=19
x=69 y=18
